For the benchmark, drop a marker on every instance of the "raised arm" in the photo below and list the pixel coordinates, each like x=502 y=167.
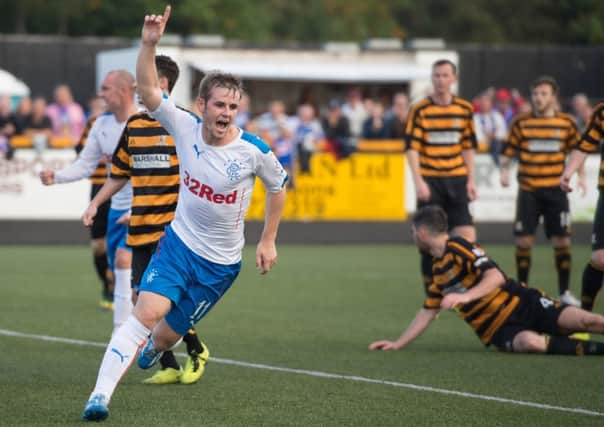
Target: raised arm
x=146 y=72
x=422 y=320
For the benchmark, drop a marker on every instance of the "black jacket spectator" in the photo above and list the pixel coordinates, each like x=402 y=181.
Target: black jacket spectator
x=376 y=126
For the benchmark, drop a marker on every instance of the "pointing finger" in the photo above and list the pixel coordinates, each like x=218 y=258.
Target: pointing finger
x=167 y=13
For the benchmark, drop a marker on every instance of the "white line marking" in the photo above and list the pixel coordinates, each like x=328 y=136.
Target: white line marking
x=330 y=375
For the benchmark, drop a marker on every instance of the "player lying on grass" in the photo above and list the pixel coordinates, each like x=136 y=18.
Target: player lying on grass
x=501 y=311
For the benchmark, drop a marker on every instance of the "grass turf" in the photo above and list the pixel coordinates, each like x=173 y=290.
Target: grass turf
x=318 y=310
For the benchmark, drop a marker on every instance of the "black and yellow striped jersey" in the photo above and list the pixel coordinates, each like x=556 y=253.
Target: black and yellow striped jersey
x=99 y=176
x=147 y=156
x=592 y=137
x=439 y=133
x=541 y=144
x=461 y=268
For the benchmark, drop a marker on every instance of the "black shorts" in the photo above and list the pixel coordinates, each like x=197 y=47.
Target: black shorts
x=141 y=255
x=597 y=237
x=450 y=194
x=98 y=229
x=535 y=312
x=549 y=203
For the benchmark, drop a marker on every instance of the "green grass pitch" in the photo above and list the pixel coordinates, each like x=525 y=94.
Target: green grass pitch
x=317 y=311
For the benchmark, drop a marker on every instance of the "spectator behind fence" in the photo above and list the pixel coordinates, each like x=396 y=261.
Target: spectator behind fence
x=525 y=108
x=67 y=116
x=354 y=111
x=503 y=101
x=336 y=128
x=490 y=127
x=7 y=127
x=22 y=114
x=38 y=126
x=307 y=132
x=243 y=114
x=375 y=126
x=581 y=109
x=400 y=113
x=274 y=122
x=96 y=107
x=275 y=128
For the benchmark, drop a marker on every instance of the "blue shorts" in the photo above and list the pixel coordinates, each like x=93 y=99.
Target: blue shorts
x=192 y=283
x=116 y=234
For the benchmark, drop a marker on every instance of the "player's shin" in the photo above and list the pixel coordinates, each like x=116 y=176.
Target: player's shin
x=573 y=347
x=523 y=263
x=120 y=354
x=194 y=346
x=592 y=283
x=167 y=360
x=563 y=262
x=122 y=298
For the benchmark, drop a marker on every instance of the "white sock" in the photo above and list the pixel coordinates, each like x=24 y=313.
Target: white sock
x=121 y=352
x=122 y=297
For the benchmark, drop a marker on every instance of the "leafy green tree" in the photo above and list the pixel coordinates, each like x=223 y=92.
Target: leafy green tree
x=579 y=22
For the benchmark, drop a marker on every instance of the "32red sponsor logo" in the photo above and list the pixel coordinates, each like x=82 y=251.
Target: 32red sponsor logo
x=206 y=192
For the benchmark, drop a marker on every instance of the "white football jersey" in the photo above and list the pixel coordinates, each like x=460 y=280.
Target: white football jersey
x=101 y=143
x=216 y=184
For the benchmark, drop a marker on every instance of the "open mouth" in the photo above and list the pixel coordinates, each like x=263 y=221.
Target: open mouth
x=222 y=124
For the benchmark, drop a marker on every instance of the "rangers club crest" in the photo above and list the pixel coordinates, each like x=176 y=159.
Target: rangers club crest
x=233 y=170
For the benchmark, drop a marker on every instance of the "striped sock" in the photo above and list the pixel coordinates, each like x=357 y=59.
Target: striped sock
x=523 y=263
x=563 y=264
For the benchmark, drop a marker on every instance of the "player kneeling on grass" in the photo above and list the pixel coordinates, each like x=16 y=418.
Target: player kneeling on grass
x=501 y=311
x=199 y=256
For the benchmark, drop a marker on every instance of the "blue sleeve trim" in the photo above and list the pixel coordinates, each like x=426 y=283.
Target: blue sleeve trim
x=257 y=141
x=197 y=119
x=165 y=95
x=195 y=116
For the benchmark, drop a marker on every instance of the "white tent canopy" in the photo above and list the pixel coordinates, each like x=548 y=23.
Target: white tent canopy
x=319 y=71
x=11 y=86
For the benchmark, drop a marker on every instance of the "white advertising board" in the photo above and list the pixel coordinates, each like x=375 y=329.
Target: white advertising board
x=22 y=195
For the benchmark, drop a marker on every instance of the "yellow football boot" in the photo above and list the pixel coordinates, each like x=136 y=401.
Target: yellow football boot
x=195 y=366
x=165 y=376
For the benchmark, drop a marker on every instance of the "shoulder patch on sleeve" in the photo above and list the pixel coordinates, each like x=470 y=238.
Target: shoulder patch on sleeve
x=257 y=141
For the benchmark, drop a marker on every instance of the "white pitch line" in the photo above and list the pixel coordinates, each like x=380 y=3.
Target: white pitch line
x=320 y=374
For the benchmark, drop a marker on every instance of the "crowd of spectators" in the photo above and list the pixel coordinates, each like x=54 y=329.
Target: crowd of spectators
x=494 y=110
x=39 y=121
x=335 y=127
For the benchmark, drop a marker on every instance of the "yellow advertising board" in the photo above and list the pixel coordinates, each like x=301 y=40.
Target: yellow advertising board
x=362 y=187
